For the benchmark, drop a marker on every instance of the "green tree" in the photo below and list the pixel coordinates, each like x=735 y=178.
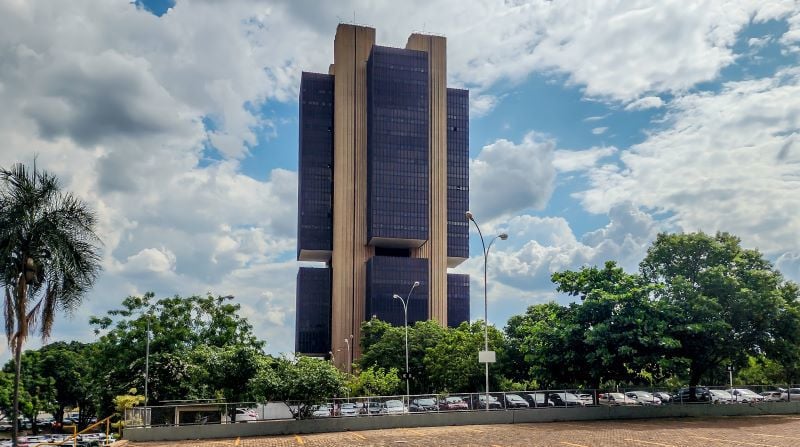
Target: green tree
x=383 y=345
x=70 y=366
x=624 y=335
x=183 y=330
x=375 y=381
x=37 y=390
x=304 y=381
x=723 y=303
x=49 y=256
x=451 y=364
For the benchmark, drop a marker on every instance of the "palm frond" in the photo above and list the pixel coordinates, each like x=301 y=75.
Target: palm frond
x=9 y=315
x=48 y=312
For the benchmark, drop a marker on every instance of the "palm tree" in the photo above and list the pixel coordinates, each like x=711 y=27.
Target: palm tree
x=48 y=257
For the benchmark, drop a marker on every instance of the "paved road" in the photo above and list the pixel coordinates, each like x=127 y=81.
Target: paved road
x=761 y=431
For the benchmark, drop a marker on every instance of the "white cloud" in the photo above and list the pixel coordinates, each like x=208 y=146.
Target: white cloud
x=648 y=102
x=567 y=161
x=599 y=130
x=728 y=161
x=506 y=177
x=520 y=267
x=151 y=260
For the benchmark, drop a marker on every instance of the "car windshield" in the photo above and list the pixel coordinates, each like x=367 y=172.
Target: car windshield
x=425 y=402
x=491 y=398
x=348 y=406
x=453 y=400
x=393 y=404
x=720 y=393
x=616 y=396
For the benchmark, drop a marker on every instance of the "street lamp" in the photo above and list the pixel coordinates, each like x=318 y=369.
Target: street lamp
x=349 y=357
x=147 y=360
x=405 y=319
x=486 y=359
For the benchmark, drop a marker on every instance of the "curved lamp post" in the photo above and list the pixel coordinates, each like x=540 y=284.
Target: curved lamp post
x=502 y=236
x=349 y=354
x=405 y=319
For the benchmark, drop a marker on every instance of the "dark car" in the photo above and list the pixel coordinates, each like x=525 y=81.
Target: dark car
x=453 y=403
x=564 y=399
x=701 y=394
x=538 y=400
x=423 y=404
x=515 y=401
x=373 y=407
x=479 y=402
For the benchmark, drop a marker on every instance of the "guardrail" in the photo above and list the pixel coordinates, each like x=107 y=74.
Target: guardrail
x=203 y=413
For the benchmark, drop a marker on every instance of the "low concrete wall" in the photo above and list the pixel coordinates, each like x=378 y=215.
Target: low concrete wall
x=326 y=425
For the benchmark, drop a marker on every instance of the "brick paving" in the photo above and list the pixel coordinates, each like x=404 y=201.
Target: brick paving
x=757 y=431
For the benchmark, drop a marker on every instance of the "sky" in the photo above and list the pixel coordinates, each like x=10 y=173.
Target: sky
x=594 y=126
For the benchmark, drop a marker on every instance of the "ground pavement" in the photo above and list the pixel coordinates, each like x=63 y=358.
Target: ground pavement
x=758 y=431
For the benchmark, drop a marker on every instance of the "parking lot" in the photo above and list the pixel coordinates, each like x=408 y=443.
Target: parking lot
x=763 y=431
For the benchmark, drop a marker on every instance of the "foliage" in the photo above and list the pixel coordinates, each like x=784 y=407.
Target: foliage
x=722 y=303
x=376 y=381
x=70 y=367
x=186 y=333
x=452 y=363
x=49 y=254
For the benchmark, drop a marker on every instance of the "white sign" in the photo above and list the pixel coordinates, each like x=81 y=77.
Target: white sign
x=486 y=357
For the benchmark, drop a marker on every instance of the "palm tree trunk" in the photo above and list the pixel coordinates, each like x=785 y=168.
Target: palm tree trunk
x=17 y=376
x=22 y=295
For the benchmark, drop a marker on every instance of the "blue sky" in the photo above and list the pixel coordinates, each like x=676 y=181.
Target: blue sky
x=595 y=125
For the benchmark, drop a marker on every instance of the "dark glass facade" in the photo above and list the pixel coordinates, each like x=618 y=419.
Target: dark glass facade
x=457 y=299
x=315 y=189
x=387 y=276
x=397 y=147
x=313 y=311
x=457 y=173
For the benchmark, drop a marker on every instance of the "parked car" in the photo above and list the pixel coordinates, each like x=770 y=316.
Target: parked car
x=394 y=407
x=745 y=396
x=453 y=403
x=422 y=405
x=564 y=399
x=246 y=415
x=701 y=394
x=665 y=397
x=615 y=399
x=480 y=402
x=373 y=407
x=643 y=398
x=587 y=399
x=515 y=401
x=321 y=411
x=538 y=400
x=791 y=394
x=772 y=396
x=348 y=409
x=721 y=397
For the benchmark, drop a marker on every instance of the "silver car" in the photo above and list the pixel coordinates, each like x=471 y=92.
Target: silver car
x=745 y=396
x=643 y=398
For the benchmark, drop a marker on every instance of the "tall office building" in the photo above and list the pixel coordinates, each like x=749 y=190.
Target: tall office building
x=383 y=189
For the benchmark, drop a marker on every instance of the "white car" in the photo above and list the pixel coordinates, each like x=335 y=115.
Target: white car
x=246 y=415
x=744 y=395
x=348 y=409
x=394 y=407
x=791 y=394
x=643 y=398
x=321 y=411
x=721 y=397
x=616 y=399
